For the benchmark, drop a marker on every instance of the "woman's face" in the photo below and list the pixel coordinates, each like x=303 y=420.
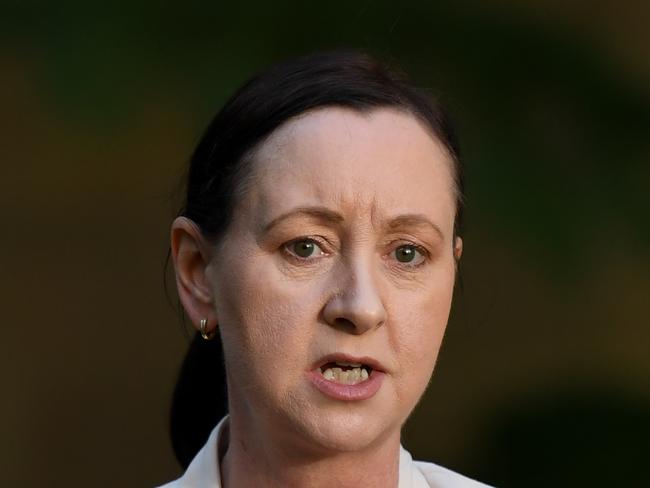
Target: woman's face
x=340 y=251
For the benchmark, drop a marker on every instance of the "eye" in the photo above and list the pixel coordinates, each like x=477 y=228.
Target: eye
x=304 y=248
x=410 y=254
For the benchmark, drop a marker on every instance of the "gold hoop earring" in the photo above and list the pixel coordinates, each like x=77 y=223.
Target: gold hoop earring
x=205 y=334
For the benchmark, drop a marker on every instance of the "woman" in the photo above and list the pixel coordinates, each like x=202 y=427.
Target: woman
x=319 y=240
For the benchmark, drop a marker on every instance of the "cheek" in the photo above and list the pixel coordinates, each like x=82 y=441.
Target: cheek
x=266 y=321
x=419 y=330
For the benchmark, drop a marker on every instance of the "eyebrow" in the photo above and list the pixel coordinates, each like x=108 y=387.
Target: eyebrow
x=320 y=213
x=326 y=215
x=410 y=220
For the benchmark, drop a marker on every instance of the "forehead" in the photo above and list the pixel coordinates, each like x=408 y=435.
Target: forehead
x=380 y=162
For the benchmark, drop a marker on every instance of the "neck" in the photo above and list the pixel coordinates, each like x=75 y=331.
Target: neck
x=258 y=459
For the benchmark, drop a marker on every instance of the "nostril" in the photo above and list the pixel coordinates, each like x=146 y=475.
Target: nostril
x=344 y=324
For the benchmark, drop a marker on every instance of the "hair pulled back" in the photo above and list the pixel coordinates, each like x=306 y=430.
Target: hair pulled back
x=346 y=79
x=221 y=164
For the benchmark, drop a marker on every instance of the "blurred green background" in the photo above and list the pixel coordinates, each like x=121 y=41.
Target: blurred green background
x=544 y=376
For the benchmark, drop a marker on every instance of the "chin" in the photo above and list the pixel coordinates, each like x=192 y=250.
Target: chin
x=346 y=428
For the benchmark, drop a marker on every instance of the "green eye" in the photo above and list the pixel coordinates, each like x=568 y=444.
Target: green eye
x=405 y=254
x=408 y=254
x=304 y=248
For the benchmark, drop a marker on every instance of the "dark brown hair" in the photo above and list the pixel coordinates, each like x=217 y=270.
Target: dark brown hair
x=345 y=79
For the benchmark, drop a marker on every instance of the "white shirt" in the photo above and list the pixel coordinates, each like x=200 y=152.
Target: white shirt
x=204 y=470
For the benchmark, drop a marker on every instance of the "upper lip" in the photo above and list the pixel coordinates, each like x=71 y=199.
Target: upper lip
x=349 y=358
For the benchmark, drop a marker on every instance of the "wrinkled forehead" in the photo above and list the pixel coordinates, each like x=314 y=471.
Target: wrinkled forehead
x=372 y=163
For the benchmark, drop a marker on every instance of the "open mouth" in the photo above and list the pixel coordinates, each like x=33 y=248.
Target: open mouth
x=345 y=377
x=346 y=373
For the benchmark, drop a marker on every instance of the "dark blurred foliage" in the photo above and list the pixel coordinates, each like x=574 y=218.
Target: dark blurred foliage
x=557 y=144
x=102 y=105
x=575 y=437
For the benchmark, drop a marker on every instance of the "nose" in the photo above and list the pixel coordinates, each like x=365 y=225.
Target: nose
x=358 y=306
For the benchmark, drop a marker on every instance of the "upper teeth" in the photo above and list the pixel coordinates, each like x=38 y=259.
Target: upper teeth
x=350 y=377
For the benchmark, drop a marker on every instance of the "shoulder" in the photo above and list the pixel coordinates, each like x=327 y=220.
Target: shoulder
x=437 y=476
x=420 y=474
x=204 y=470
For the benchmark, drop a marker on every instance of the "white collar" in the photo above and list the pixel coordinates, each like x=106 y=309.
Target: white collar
x=204 y=470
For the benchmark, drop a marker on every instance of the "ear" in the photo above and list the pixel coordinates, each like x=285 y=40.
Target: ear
x=458 y=248
x=191 y=254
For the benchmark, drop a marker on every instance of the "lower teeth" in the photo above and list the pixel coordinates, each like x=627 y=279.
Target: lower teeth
x=346 y=377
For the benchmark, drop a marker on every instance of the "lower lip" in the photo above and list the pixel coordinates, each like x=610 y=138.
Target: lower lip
x=361 y=391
